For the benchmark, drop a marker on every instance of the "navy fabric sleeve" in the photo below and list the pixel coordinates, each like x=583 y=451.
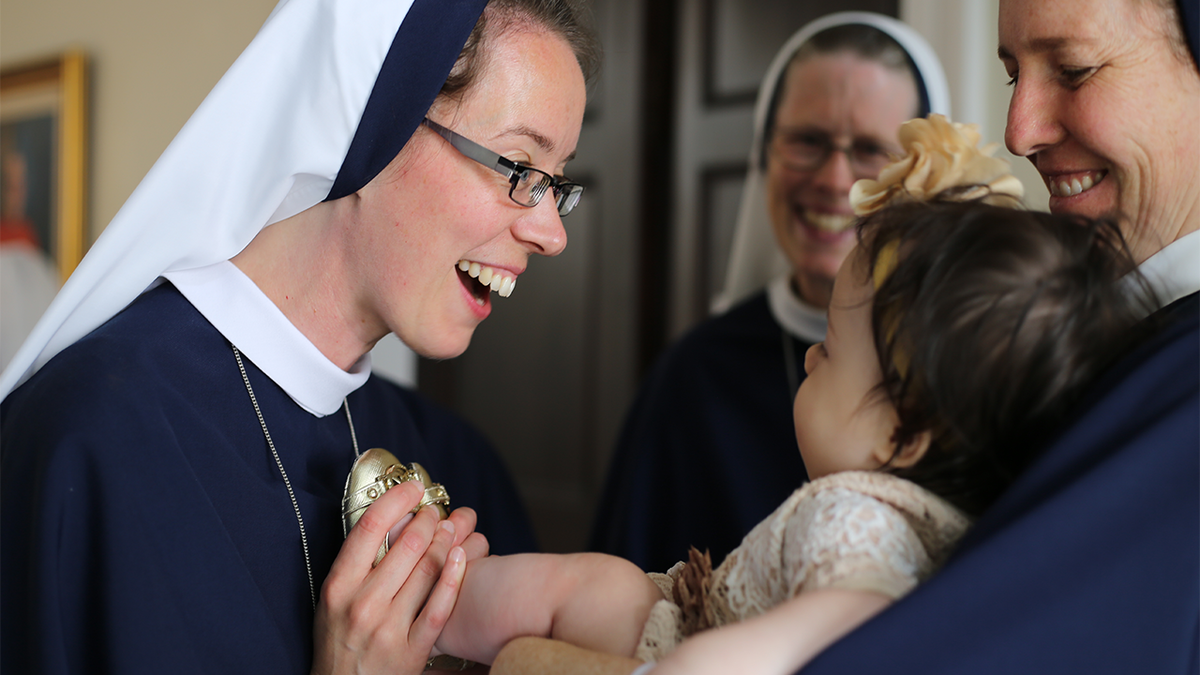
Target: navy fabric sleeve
x=708 y=448
x=1090 y=563
x=118 y=555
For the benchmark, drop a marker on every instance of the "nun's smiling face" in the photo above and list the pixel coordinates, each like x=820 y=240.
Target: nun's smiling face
x=847 y=101
x=1107 y=110
x=433 y=210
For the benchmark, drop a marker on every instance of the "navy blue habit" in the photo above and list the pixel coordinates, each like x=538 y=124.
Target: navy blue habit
x=146 y=527
x=1090 y=562
x=709 y=448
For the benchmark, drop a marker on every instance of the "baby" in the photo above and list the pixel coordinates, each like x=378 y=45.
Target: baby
x=960 y=333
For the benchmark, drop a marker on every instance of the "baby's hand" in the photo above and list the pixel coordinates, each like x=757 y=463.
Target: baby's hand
x=483 y=618
x=473 y=543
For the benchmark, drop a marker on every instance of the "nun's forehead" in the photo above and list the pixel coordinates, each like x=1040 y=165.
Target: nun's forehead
x=866 y=42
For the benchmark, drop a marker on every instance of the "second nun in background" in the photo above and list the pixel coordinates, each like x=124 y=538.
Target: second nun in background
x=708 y=448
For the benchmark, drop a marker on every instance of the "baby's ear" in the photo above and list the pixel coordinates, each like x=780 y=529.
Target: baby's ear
x=909 y=455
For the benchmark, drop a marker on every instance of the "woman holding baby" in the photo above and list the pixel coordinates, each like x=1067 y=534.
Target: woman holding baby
x=1090 y=560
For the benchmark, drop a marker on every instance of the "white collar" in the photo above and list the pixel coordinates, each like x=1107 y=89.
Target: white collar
x=800 y=319
x=241 y=312
x=1174 y=271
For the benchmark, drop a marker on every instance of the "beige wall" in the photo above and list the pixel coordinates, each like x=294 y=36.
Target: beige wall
x=964 y=35
x=152 y=63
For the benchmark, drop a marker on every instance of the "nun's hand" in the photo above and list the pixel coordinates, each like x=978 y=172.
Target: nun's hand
x=386 y=619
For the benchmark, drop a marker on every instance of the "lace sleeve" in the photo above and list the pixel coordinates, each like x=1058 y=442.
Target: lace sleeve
x=850 y=530
x=841 y=538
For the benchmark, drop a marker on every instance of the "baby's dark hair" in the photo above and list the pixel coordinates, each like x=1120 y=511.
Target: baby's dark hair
x=988 y=328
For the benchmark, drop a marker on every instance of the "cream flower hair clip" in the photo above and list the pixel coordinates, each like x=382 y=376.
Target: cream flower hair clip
x=939 y=156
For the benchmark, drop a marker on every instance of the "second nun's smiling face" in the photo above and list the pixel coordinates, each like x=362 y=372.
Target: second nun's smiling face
x=851 y=100
x=434 y=208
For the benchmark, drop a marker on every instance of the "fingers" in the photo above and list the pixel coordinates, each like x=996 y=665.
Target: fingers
x=476 y=546
x=354 y=561
x=394 y=533
x=372 y=527
x=464 y=523
x=373 y=613
x=433 y=617
x=473 y=543
x=419 y=538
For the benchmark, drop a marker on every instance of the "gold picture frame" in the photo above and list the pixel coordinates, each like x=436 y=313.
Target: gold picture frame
x=43 y=138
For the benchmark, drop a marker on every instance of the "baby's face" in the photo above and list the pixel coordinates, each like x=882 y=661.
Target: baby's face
x=842 y=423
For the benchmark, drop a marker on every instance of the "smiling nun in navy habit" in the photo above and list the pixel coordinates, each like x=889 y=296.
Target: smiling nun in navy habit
x=708 y=449
x=178 y=429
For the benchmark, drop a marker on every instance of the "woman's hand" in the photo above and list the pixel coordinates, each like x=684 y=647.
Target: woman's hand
x=386 y=619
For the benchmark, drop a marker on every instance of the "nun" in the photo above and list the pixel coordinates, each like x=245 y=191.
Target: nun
x=178 y=429
x=708 y=448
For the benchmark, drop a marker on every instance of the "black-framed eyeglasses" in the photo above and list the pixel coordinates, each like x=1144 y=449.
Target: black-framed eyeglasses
x=528 y=184
x=806 y=150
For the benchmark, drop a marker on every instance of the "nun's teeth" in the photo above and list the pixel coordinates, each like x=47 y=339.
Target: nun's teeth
x=829 y=222
x=1077 y=185
x=1069 y=188
x=494 y=279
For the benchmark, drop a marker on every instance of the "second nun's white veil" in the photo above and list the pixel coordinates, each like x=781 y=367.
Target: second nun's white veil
x=755 y=258
x=268 y=142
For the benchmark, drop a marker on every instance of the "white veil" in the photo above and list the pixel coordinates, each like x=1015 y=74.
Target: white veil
x=267 y=143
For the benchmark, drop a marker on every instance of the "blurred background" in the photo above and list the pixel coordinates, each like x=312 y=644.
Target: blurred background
x=663 y=152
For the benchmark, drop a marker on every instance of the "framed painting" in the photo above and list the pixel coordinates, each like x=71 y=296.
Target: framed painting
x=43 y=153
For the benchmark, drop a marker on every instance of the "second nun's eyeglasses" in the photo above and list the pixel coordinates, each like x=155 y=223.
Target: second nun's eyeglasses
x=528 y=184
x=808 y=150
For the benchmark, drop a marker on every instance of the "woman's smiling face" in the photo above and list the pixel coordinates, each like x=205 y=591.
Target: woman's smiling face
x=850 y=100
x=433 y=208
x=1107 y=110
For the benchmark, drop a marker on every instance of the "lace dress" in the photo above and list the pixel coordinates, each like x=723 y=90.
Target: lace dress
x=851 y=530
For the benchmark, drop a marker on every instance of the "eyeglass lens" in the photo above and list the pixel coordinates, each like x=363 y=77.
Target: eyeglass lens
x=810 y=150
x=529 y=185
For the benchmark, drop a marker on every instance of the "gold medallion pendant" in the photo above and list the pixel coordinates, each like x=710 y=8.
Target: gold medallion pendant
x=376 y=471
